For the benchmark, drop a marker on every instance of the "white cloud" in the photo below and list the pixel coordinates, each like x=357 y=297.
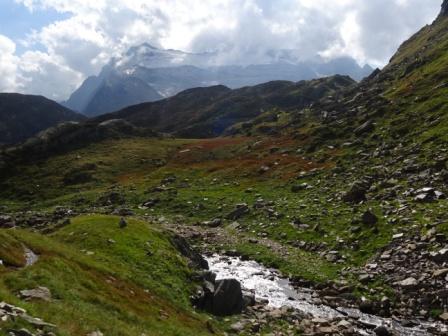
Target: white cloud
x=73 y=48
x=8 y=64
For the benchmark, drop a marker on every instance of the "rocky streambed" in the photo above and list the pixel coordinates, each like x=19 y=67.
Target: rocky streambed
x=315 y=318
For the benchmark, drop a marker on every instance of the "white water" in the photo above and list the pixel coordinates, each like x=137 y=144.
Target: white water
x=268 y=285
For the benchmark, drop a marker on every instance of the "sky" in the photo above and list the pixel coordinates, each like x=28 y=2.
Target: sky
x=49 y=47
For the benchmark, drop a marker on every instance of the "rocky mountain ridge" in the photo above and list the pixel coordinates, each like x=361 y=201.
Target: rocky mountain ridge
x=154 y=73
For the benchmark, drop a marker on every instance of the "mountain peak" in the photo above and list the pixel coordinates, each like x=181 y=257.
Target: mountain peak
x=142 y=48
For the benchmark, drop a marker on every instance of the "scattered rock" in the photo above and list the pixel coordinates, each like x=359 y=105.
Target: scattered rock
x=357 y=192
x=7 y=222
x=408 y=283
x=299 y=187
x=366 y=127
x=440 y=273
x=39 y=293
x=213 y=223
x=240 y=211
x=21 y=332
x=369 y=218
x=95 y=333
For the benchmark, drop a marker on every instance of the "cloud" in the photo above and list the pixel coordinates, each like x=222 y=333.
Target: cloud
x=8 y=64
x=60 y=55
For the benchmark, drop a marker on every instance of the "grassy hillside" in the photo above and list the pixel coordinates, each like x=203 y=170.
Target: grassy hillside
x=127 y=281
x=210 y=112
x=24 y=116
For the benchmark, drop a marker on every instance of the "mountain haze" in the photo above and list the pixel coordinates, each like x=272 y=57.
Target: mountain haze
x=153 y=73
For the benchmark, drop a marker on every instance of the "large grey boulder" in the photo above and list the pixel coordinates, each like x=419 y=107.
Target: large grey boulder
x=221 y=298
x=227 y=298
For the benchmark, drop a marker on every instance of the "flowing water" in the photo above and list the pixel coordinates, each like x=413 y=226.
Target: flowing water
x=268 y=285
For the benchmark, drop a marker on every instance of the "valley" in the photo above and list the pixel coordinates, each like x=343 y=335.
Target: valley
x=319 y=206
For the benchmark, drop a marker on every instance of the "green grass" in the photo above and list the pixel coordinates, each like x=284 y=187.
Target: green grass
x=118 y=288
x=215 y=177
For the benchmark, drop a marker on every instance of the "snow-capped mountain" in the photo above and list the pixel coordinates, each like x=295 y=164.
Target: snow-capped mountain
x=145 y=73
x=150 y=57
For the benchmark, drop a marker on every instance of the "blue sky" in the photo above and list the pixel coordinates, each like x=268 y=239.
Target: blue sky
x=16 y=21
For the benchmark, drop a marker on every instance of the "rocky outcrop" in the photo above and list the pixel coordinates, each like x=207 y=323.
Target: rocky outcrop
x=196 y=259
x=9 y=312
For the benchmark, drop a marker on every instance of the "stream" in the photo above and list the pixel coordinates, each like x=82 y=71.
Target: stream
x=268 y=285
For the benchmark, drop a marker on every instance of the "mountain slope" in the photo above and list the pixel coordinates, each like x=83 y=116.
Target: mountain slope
x=118 y=281
x=146 y=68
x=407 y=99
x=115 y=93
x=23 y=116
x=208 y=112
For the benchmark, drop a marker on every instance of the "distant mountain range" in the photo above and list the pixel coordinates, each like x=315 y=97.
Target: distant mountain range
x=23 y=116
x=146 y=73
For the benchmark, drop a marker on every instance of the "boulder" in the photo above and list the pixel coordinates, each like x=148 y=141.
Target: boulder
x=357 y=193
x=222 y=297
x=39 y=293
x=151 y=202
x=6 y=222
x=366 y=307
x=440 y=256
x=444 y=316
x=111 y=198
x=240 y=210
x=381 y=331
x=213 y=223
x=227 y=298
x=369 y=218
x=299 y=187
x=408 y=283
